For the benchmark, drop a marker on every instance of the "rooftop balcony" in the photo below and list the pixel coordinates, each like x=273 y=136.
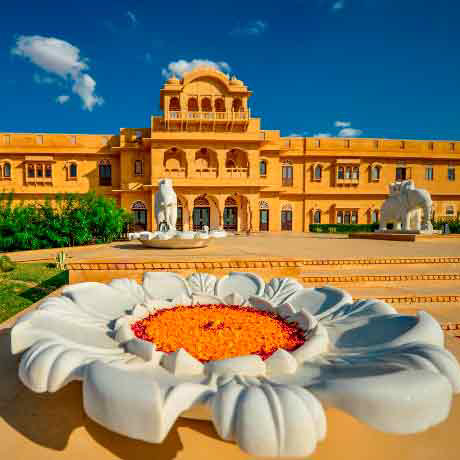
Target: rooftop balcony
x=207 y=116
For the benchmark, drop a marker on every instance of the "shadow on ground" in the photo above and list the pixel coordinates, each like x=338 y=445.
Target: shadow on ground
x=36 y=293
x=49 y=419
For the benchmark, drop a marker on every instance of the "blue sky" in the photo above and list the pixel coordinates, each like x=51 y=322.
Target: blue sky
x=381 y=68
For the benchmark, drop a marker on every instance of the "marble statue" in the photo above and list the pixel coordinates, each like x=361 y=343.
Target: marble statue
x=165 y=205
x=408 y=208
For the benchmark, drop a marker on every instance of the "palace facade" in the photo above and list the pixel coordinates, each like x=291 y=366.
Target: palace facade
x=226 y=170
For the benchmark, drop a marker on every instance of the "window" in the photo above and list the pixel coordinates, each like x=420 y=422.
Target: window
x=340 y=217
x=73 y=170
x=376 y=173
x=451 y=173
x=354 y=217
x=449 y=211
x=340 y=173
x=429 y=173
x=402 y=145
x=6 y=139
x=219 y=105
x=39 y=139
x=317 y=217
x=192 y=104
x=400 y=173
x=138 y=168
x=39 y=170
x=430 y=146
x=206 y=105
x=73 y=140
x=452 y=146
x=318 y=172
x=48 y=171
x=30 y=171
x=263 y=168
x=376 y=145
x=287 y=174
x=174 y=104
x=347 y=143
x=237 y=106
x=347 y=219
x=105 y=173
x=138 y=135
x=374 y=216
x=348 y=172
x=355 y=172
x=7 y=170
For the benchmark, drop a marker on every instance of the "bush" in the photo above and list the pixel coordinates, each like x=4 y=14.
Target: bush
x=343 y=228
x=6 y=264
x=454 y=224
x=73 y=220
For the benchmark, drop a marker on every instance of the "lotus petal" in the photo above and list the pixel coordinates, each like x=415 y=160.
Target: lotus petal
x=281 y=362
x=279 y=289
x=245 y=284
x=269 y=420
x=181 y=362
x=165 y=285
x=250 y=365
x=202 y=283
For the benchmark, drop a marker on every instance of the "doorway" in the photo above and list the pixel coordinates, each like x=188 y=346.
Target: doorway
x=264 y=218
x=286 y=220
x=231 y=218
x=201 y=217
x=180 y=219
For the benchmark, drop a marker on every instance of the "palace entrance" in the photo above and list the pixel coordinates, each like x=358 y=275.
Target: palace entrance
x=230 y=215
x=139 y=211
x=286 y=218
x=264 y=217
x=201 y=213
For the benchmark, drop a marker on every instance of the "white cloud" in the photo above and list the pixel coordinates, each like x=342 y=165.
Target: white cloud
x=62 y=99
x=182 y=66
x=251 y=28
x=132 y=17
x=342 y=124
x=322 y=135
x=350 y=132
x=84 y=86
x=339 y=5
x=60 y=58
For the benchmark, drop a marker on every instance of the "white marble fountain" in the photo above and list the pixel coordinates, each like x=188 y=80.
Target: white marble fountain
x=388 y=370
x=166 y=216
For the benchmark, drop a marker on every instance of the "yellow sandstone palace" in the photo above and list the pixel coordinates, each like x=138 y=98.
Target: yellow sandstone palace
x=226 y=170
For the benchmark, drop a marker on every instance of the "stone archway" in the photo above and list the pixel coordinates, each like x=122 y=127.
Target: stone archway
x=230 y=215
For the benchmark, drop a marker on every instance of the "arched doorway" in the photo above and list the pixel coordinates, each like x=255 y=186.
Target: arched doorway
x=264 y=216
x=286 y=217
x=180 y=216
x=139 y=210
x=231 y=215
x=201 y=213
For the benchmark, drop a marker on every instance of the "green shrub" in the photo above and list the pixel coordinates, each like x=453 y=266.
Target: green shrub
x=6 y=264
x=72 y=220
x=454 y=224
x=343 y=228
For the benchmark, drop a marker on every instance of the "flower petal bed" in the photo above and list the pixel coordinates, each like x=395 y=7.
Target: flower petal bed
x=213 y=332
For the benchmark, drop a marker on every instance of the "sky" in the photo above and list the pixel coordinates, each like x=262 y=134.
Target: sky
x=348 y=68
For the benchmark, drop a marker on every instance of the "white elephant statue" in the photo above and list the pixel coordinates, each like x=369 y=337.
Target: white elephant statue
x=402 y=208
x=166 y=206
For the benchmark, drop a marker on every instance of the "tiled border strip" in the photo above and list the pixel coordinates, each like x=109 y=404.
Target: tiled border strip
x=220 y=263
x=419 y=299
x=364 y=278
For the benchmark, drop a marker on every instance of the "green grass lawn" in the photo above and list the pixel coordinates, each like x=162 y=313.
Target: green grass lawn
x=26 y=284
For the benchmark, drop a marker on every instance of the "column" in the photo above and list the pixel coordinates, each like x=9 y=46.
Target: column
x=190 y=159
x=221 y=157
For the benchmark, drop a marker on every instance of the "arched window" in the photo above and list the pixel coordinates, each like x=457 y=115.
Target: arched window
x=237 y=106
x=206 y=105
x=73 y=170
x=7 y=170
x=174 y=104
x=230 y=201
x=202 y=159
x=317 y=217
x=138 y=168
x=340 y=217
x=286 y=217
x=263 y=168
x=219 y=105
x=263 y=204
x=287 y=173
x=340 y=173
x=376 y=173
x=348 y=172
x=30 y=171
x=355 y=172
x=139 y=210
x=105 y=172
x=229 y=164
x=201 y=202
x=192 y=104
x=374 y=216
x=318 y=172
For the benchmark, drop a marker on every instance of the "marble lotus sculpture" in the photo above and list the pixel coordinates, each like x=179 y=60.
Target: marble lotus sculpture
x=404 y=201
x=388 y=370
